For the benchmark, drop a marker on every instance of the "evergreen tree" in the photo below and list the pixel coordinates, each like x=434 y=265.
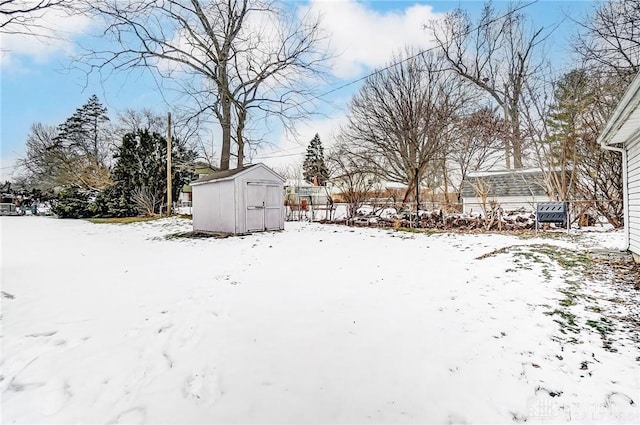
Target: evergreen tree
x=314 y=165
x=583 y=103
x=72 y=202
x=140 y=174
x=75 y=153
x=84 y=132
x=567 y=131
x=80 y=150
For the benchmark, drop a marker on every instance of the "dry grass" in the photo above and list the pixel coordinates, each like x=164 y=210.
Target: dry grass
x=124 y=220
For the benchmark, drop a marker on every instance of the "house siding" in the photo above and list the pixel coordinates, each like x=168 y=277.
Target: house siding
x=512 y=190
x=633 y=184
x=508 y=203
x=623 y=131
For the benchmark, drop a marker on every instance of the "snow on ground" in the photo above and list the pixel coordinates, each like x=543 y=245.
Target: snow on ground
x=105 y=323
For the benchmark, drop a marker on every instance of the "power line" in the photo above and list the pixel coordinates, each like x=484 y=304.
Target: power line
x=280 y=156
x=391 y=65
x=399 y=62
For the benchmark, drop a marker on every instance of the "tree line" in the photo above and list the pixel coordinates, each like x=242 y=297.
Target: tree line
x=90 y=167
x=484 y=96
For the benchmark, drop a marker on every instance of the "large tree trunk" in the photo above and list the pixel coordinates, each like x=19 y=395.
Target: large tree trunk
x=516 y=139
x=242 y=117
x=225 y=155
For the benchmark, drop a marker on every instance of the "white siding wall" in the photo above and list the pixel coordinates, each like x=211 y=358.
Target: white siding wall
x=508 y=203
x=211 y=207
x=633 y=181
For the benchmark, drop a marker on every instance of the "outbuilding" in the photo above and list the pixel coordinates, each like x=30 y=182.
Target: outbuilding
x=244 y=200
x=622 y=134
x=511 y=189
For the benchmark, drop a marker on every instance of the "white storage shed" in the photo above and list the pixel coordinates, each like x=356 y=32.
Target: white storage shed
x=622 y=134
x=244 y=200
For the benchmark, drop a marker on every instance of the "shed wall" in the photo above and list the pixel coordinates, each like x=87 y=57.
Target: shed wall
x=213 y=207
x=220 y=202
x=633 y=182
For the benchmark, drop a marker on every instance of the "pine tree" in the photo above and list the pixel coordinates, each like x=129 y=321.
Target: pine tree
x=81 y=147
x=84 y=131
x=585 y=171
x=141 y=171
x=314 y=165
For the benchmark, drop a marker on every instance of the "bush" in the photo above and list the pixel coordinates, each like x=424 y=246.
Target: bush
x=72 y=202
x=112 y=203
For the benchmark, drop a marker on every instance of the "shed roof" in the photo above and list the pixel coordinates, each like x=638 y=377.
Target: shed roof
x=507 y=183
x=624 y=124
x=228 y=174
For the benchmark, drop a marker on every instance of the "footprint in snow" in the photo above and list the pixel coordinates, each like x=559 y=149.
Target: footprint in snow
x=164 y=328
x=42 y=334
x=54 y=400
x=202 y=387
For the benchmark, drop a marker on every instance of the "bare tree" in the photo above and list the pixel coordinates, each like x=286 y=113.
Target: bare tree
x=185 y=128
x=38 y=163
x=608 y=42
x=498 y=55
x=48 y=164
x=399 y=120
x=240 y=60
x=349 y=176
x=565 y=118
x=476 y=143
x=610 y=38
x=290 y=171
x=491 y=210
x=76 y=152
x=146 y=200
x=130 y=120
x=599 y=172
x=21 y=16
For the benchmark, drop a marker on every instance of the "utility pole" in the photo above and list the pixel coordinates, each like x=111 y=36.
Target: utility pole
x=169 y=174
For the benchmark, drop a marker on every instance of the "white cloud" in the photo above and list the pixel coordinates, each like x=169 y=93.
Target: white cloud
x=49 y=32
x=365 y=38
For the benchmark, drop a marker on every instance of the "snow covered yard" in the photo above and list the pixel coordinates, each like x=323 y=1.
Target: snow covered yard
x=106 y=323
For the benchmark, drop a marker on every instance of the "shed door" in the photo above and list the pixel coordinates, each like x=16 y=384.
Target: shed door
x=255 y=207
x=273 y=207
x=264 y=206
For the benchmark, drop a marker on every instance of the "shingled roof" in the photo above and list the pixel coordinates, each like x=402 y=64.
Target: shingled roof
x=506 y=183
x=222 y=174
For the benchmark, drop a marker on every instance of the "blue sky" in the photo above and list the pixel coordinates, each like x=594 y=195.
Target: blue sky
x=37 y=83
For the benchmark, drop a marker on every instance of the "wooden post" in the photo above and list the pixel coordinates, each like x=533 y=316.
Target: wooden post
x=169 y=173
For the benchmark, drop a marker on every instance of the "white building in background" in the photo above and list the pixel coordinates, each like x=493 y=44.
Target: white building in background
x=511 y=190
x=622 y=134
